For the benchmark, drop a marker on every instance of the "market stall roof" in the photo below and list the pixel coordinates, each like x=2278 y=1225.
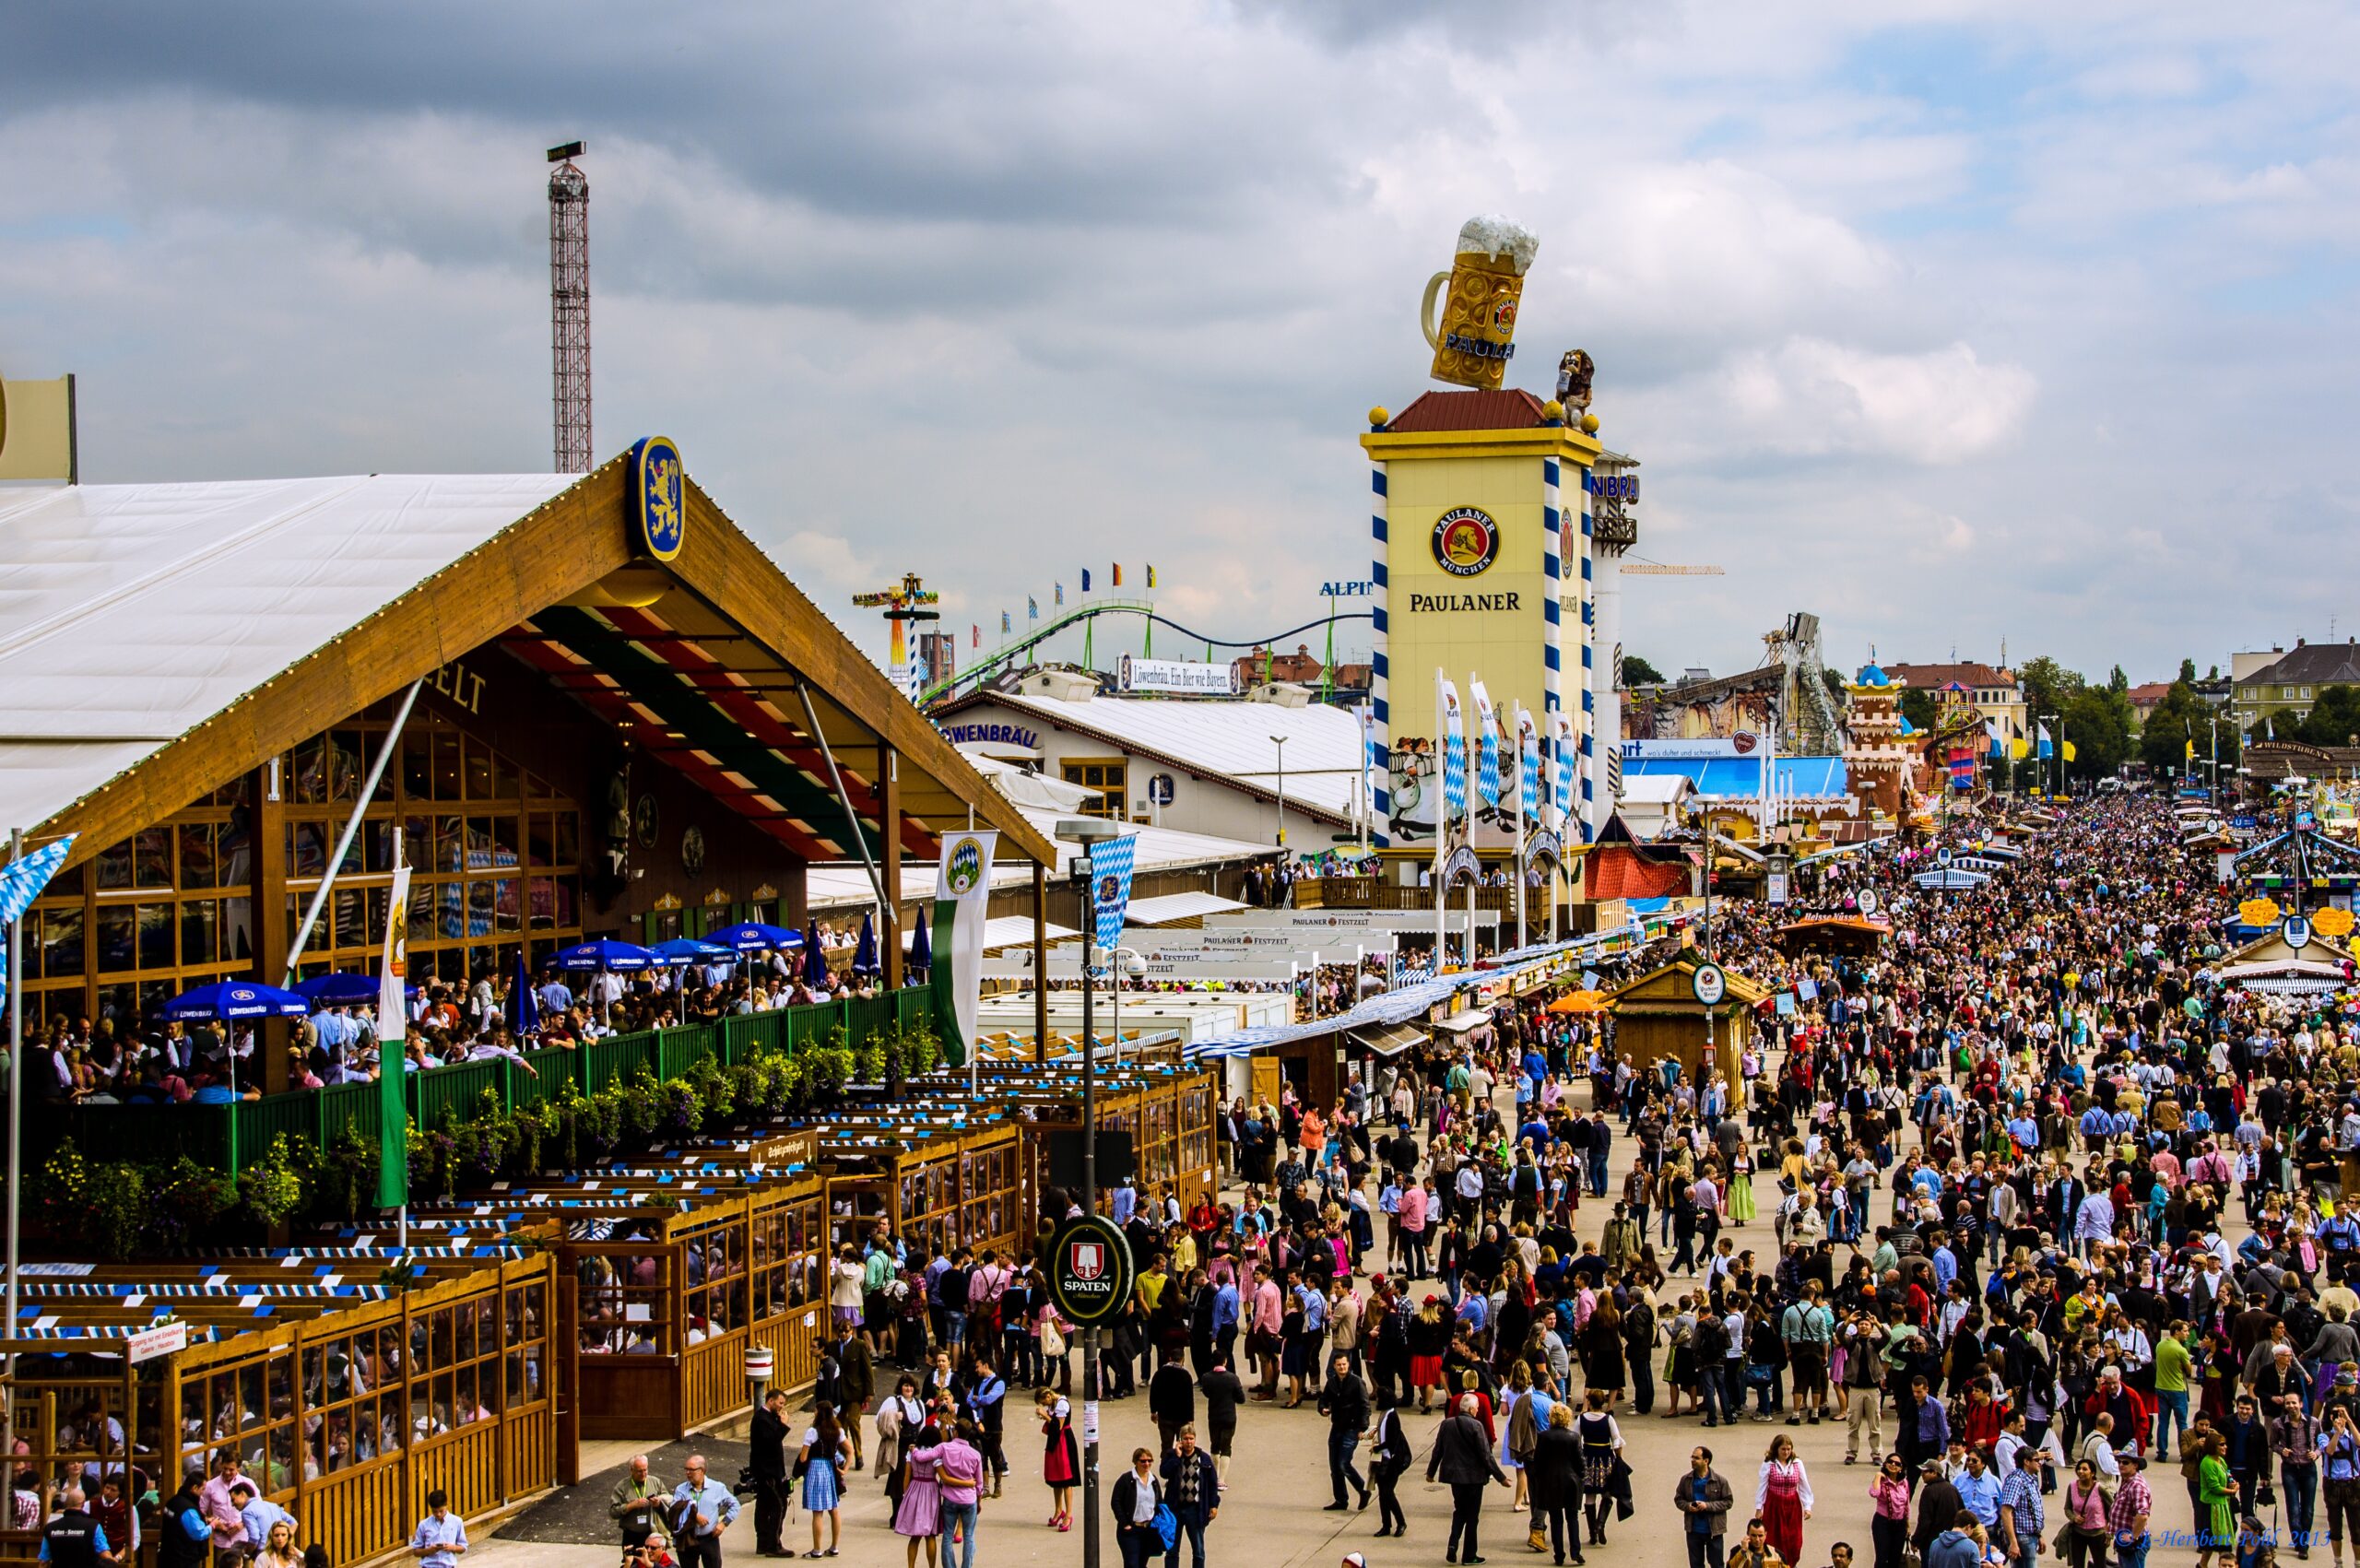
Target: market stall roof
x=2284 y=968
x=1464 y=1022
x=157 y=640
x=1169 y=907
x=1015 y=930
x=1669 y=989
x=1386 y=1039
x=1807 y=778
x=1224 y=739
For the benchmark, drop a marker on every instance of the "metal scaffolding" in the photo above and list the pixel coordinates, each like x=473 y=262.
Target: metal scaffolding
x=569 y=308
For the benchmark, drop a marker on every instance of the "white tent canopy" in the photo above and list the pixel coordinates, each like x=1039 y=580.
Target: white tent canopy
x=132 y=614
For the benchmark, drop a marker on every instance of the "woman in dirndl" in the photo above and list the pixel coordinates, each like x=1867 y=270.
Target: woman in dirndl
x=918 y=1516
x=824 y=1452
x=1782 y=1496
x=1060 y=1461
x=1740 y=1193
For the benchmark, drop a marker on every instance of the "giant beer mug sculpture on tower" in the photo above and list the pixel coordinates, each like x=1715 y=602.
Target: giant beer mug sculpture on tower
x=1475 y=336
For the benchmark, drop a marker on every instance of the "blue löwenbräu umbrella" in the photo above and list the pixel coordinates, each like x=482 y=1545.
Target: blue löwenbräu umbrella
x=623 y=958
x=815 y=962
x=339 y=990
x=682 y=951
x=921 y=949
x=752 y=936
x=864 y=957
x=227 y=999
x=527 y=1004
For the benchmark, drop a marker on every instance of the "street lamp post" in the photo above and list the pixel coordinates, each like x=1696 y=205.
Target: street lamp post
x=2057 y=749
x=1281 y=742
x=1089 y=832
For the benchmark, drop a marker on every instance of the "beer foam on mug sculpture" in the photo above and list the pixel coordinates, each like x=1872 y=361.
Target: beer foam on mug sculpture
x=1476 y=337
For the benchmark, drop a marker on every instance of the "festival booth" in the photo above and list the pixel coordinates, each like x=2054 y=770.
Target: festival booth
x=349 y=1380
x=947 y=1178
x=1844 y=935
x=1168 y=1111
x=1658 y=1016
x=675 y=1268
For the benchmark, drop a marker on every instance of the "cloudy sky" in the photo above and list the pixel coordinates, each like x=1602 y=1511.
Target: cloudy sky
x=2016 y=321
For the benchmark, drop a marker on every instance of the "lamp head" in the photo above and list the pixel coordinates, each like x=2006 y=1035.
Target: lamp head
x=1088 y=830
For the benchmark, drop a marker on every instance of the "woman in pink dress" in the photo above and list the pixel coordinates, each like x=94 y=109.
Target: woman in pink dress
x=919 y=1517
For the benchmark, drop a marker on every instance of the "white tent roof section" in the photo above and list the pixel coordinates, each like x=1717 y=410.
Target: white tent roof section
x=1015 y=930
x=1231 y=739
x=1177 y=906
x=132 y=614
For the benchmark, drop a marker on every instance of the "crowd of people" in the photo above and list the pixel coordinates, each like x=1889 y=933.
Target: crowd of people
x=203 y=1062
x=2027 y=1200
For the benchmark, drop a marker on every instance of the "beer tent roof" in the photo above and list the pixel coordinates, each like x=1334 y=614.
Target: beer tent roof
x=158 y=640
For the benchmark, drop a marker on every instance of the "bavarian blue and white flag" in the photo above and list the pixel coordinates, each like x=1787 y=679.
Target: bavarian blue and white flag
x=1564 y=761
x=1110 y=885
x=1454 y=753
x=21 y=882
x=1528 y=764
x=1487 y=744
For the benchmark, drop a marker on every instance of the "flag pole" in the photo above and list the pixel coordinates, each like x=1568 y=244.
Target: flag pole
x=15 y=1120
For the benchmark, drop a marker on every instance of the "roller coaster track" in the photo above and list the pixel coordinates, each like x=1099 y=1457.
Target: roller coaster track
x=1013 y=653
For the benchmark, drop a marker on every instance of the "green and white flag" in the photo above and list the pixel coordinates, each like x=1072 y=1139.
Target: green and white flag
x=393 y=1028
x=961 y=902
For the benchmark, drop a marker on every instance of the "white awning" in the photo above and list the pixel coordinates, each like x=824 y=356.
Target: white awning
x=1386 y=1038
x=1170 y=907
x=1461 y=1023
x=1015 y=930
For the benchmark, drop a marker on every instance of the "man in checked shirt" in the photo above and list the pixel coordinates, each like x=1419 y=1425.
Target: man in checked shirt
x=2133 y=1503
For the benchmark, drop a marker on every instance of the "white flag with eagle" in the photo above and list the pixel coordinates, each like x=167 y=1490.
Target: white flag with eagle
x=961 y=902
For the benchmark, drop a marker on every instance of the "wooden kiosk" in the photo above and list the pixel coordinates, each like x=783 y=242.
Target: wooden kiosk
x=1657 y=1015
x=345 y=1398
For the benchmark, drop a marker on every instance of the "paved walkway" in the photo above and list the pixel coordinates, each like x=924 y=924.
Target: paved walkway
x=1272 y=1515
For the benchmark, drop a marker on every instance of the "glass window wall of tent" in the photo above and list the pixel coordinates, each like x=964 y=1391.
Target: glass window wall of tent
x=495 y=853
x=344 y=1402
x=665 y=1300
x=933 y=1186
x=1169 y=1110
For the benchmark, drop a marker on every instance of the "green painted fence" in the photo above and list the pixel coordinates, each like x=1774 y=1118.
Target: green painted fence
x=226 y=1138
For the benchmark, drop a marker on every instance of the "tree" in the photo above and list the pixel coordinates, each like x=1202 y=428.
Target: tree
x=2334 y=719
x=2046 y=688
x=2181 y=717
x=2188 y=672
x=1919 y=708
x=2097 y=723
x=1636 y=671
